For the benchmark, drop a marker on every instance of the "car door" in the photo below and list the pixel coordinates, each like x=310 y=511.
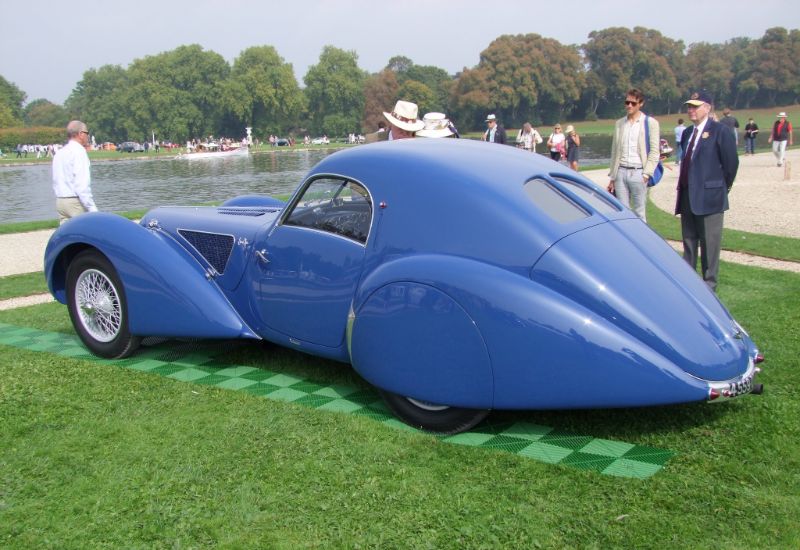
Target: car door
x=310 y=262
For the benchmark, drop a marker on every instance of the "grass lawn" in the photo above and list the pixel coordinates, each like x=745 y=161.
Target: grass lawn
x=96 y=455
x=25 y=284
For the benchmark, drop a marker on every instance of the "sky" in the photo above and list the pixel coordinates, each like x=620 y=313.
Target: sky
x=47 y=45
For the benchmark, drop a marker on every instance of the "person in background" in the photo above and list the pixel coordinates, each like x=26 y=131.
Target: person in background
x=72 y=182
x=780 y=135
x=403 y=123
x=494 y=133
x=573 y=144
x=729 y=121
x=750 y=134
x=678 y=134
x=706 y=177
x=437 y=125
x=555 y=143
x=528 y=138
x=632 y=159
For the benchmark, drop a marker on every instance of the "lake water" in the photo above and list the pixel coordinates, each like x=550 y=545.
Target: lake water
x=26 y=193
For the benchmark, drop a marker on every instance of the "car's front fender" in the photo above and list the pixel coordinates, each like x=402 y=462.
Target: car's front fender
x=167 y=290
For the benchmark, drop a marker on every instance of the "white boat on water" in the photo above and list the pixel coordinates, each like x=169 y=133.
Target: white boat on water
x=214 y=153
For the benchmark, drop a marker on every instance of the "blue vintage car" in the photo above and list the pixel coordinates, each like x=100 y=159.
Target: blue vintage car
x=455 y=276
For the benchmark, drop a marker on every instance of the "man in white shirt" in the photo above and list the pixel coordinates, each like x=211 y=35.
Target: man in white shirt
x=633 y=160
x=71 y=174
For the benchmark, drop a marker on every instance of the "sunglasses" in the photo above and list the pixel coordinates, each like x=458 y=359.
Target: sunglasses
x=84 y=132
x=631 y=103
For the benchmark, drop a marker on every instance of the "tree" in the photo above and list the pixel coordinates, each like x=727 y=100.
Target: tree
x=520 y=78
x=619 y=59
x=41 y=112
x=176 y=94
x=708 y=67
x=380 y=94
x=335 y=86
x=776 y=70
x=262 y=92
x=419 y=93
x=11 y=100
x=97 y=100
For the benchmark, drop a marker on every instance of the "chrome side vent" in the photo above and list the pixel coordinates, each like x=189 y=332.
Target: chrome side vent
x=215 y=248
x=246 y=210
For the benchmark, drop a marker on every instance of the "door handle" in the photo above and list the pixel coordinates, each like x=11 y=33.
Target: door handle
x=262 y=255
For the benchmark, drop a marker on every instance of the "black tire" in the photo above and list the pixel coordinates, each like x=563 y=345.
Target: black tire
x=430 y=417
x=98 y=307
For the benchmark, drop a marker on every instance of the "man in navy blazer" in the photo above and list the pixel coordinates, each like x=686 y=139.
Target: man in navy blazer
x=707 y=172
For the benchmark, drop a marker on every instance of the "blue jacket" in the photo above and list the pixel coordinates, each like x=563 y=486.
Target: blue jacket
x=712 y=170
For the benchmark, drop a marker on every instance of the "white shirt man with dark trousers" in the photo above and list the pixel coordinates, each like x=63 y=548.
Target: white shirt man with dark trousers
x=72 y=181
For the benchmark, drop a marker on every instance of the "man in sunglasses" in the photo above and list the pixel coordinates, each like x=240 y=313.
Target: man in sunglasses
x=707 y=173
x=632 y=159
x=72 y=181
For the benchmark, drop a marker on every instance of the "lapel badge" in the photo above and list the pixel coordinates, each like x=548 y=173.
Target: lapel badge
x=705 y=135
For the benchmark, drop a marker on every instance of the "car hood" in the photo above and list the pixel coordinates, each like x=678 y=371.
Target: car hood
x=625 y=273
x=221 y=238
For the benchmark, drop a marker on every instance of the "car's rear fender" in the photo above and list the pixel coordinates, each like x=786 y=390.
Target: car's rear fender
x=167 y=290
x=544 y=350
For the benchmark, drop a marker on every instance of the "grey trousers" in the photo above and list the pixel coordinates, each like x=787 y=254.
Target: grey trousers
x=631 y=190
x=705 y=232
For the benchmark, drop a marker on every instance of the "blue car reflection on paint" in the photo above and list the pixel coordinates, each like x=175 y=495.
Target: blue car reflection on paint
x=455 y=276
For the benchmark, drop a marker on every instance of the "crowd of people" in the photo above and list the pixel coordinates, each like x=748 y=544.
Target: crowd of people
x=706 y=152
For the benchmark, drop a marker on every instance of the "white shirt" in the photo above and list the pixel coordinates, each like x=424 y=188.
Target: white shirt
x=698 y=136
x=71 y=175
x=630 y=143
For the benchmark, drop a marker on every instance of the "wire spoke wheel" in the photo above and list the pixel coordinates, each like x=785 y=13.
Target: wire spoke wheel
x=99 y=305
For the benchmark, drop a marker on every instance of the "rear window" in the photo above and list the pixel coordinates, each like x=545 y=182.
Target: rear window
x=552 y=202
x=595 y=199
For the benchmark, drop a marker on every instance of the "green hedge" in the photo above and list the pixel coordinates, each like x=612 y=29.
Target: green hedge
x=41 y=135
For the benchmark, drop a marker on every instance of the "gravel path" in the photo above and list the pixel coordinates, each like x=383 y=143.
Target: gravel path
x=764 y=199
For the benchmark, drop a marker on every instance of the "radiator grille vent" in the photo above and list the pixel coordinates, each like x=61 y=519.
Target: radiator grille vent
x=215 y=248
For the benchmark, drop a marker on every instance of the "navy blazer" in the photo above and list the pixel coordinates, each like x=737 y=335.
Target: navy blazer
x=712 y=170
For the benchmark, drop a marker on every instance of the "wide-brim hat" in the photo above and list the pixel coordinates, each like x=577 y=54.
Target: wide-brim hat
x=404 y=116
x=782 y=115
x=436 y=126
x=569 y=129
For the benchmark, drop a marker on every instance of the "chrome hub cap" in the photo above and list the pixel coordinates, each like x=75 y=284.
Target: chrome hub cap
x=98 y=305
x=427 y=405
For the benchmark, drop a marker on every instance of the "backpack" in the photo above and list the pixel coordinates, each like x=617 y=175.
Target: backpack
x=658 y=173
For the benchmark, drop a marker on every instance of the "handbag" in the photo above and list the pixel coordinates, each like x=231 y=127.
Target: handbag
x=658 y=173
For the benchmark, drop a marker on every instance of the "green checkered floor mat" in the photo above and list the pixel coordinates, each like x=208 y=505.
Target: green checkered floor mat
x=195 y=362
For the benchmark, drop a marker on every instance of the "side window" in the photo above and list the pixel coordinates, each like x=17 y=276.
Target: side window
x=334 y=205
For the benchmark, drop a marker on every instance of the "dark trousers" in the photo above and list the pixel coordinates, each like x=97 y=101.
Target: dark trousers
x=705 y=232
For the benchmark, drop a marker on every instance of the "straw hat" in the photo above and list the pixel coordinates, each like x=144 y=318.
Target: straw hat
x=570 y=129
x=436 y=126
x=782 y=115
x=404 y=116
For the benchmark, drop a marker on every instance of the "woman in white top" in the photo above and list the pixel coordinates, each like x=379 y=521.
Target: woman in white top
x=556 y=143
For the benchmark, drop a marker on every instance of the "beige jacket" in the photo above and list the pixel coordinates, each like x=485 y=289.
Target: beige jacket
x=650 y=161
